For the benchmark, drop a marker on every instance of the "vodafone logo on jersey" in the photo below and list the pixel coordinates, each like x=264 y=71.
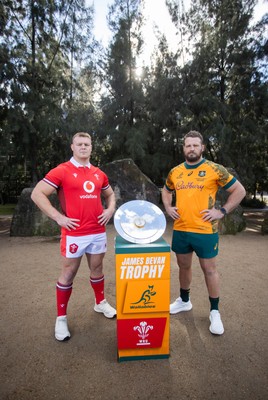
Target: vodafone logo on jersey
x=88 y=187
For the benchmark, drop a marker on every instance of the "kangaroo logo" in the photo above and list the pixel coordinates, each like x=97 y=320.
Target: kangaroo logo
x=146 y=295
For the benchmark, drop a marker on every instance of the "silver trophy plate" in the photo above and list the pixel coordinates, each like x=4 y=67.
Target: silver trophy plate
x=139 y=221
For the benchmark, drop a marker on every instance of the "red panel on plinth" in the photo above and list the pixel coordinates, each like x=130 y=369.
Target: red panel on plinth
x=140 y=333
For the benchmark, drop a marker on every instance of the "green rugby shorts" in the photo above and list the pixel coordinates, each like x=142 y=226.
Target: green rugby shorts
x=204 y=245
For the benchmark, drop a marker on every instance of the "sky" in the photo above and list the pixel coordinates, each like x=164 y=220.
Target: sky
x=157 y=13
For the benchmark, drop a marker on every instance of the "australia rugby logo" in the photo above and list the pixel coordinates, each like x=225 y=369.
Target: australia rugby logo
x=145 y=299
x=88 y=187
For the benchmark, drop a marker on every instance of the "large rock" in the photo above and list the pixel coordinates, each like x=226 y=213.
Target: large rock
x=28 y=220
x=129 y=183
x=235 y=221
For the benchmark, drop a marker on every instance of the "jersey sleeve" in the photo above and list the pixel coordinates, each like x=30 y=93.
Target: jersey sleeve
x=225 y=179
x=55 y=176
x=105 y=183
x=169 y=183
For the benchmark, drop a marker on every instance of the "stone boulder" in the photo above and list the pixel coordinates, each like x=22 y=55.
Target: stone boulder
x=28 y=220
x=129 y=183
x=235 y=221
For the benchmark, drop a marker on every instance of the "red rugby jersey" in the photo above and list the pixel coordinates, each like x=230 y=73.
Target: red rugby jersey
x=79 y=190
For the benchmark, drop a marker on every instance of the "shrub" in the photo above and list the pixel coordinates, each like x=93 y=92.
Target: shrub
x=253 y=203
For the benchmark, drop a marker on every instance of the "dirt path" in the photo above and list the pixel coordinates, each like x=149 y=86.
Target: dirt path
x=201 y=366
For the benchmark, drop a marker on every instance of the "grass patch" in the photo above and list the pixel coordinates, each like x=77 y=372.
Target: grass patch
x=7 y=209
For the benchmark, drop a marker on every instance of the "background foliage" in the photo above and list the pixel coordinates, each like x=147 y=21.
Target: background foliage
x=56 y=79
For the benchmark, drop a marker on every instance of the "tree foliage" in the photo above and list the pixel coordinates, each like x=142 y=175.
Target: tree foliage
x=226 y=86
x=56 y=79
x=40 y=50
x=123 y=102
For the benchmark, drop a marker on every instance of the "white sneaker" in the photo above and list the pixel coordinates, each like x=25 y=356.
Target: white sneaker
x=61 y=329
x=216 y=326
x=179 y=306
x=105 y=308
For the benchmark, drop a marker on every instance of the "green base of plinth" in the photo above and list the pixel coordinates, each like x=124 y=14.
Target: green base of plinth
x=135 y=358
x=122 y=246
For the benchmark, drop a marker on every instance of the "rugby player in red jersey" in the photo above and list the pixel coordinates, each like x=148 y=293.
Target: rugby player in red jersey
x=80 y=187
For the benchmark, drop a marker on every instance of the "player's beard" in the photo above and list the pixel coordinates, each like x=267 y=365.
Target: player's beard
x=193 y=157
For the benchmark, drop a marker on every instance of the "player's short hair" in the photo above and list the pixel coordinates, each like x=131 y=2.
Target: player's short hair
x=81 y=134
x=193 y=134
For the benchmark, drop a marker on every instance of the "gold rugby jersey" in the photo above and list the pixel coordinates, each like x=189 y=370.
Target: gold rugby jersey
x=196 y=187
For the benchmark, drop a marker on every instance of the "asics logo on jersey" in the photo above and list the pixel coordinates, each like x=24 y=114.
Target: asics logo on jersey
x=88 y=186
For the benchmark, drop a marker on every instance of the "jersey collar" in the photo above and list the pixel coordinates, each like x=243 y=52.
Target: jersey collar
x=77 y=164
x=187 y=166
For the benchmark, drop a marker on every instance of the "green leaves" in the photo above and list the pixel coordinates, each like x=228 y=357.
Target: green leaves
x=56 y=79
